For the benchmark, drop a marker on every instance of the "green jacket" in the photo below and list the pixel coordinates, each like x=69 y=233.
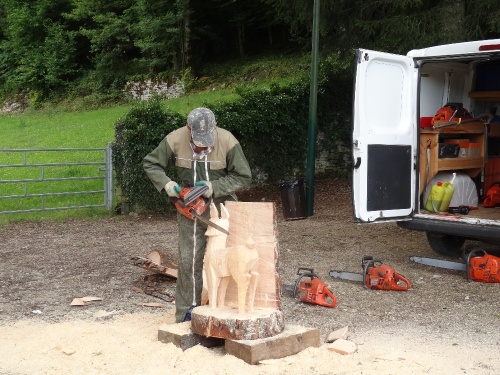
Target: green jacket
x=226 y=165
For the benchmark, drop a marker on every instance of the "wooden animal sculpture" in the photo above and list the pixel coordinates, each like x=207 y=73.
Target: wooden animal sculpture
x=221 y=263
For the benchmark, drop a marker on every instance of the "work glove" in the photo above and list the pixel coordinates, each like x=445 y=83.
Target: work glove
x=173 y=189
x=208 y=184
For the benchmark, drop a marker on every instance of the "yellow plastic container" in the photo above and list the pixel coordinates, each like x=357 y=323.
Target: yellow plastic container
x=435 y=197
x=448 y=194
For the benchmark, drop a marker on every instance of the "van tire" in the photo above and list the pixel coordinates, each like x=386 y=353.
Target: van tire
x=445 y=244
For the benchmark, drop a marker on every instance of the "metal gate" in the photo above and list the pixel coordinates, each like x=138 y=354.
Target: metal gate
x=38 y=175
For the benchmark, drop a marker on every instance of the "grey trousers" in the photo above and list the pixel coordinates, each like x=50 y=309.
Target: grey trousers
x=191 y=251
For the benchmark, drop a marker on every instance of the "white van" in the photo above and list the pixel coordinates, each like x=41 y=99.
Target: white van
x=401 y=147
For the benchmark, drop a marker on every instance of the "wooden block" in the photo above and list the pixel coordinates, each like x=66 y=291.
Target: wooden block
x=291 y=341
x=342 y=346
x=180 y=335
x=337 y=334
x=256 y=220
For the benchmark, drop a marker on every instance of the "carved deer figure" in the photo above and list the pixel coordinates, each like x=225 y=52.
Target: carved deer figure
x=221 y=263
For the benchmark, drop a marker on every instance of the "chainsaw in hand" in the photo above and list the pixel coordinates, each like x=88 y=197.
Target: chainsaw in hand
x=480 y=266
x=192 y=205
x=376 y=275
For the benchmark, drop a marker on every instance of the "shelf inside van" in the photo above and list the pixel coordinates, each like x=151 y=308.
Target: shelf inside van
x=485 y=95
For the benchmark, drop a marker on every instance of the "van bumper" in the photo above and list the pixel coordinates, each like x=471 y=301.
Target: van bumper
x=480 y=232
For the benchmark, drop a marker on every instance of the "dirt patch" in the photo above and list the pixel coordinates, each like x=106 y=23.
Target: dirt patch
x=443 y=325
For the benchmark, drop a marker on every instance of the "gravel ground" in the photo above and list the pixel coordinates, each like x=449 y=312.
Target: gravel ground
x=45 y=265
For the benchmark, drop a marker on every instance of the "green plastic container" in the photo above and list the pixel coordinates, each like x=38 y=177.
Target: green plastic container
x=435 y=197
x=448 y=194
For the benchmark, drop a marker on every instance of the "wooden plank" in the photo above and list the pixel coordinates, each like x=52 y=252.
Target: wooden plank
x=446 y=164
x=475 y=127
x=494 y=95
x=291 y=341
x=180 y=335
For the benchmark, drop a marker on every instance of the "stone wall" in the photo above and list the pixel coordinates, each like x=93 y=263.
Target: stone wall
x=146 y=89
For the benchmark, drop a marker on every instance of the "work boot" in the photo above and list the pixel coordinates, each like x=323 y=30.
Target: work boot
x=187 y=317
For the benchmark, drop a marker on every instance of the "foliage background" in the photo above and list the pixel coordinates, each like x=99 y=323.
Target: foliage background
x=271 y=125
x=55 y=49
x=85 y=51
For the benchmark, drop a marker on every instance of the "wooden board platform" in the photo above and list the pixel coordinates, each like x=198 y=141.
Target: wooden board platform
x=181 y=335
x=291 y=341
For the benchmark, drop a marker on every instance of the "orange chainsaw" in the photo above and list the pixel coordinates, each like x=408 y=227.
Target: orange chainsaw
x=492 y=198
x=376 y=275
x=192 y=205
x=310 y=288
x=480 y=266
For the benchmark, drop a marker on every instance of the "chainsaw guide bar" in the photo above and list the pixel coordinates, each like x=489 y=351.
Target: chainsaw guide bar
x=450 y=265
x=480 y=266
x=349 y=276
x=376 y=275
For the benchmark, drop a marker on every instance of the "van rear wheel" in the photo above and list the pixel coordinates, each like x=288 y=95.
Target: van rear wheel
x=445 y=244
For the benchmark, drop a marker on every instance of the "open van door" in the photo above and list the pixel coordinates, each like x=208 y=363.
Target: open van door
x=384 y=137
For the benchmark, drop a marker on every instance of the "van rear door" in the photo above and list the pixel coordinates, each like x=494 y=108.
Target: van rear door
x=384 y=137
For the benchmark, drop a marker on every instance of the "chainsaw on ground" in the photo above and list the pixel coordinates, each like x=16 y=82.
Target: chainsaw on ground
x=376 y=275
x=192 y=205
x=480 y=266
x=310 y=288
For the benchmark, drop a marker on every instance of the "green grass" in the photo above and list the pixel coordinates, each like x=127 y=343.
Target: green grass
x=61 y=126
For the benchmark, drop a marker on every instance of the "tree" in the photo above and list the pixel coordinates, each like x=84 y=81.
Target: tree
x=37 y=50
x=482 y=19
x=106 y=27
x=240 y=16
x=391 y=25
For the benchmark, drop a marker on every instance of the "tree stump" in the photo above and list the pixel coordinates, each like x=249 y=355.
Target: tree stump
x=227 y=323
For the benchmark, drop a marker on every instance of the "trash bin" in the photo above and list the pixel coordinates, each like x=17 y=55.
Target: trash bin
x=293 y=199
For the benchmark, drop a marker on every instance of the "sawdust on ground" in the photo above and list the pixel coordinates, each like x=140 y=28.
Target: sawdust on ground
x=443 y=325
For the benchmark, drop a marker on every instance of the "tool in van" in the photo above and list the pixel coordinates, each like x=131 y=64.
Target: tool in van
x=192 y=205
x=376 y=275
x=492 y=198
x=464 y=210
x=451 y=112
x=480 y=266
x=310 y=288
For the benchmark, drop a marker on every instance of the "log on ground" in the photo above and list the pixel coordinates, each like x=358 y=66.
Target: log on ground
x=154 y=267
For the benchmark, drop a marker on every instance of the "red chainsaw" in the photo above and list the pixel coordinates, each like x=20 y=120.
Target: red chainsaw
x=492 y=198
x=192 y=204
x=376 y=275
x=480 y=266
x=310 y=288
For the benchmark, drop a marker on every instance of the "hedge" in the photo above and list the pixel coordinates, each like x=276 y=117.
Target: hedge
x=271 y=125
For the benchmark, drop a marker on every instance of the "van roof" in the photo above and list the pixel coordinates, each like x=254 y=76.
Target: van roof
x=464 y=48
